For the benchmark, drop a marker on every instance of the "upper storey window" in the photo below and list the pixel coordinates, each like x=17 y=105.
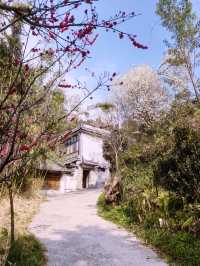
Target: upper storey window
x=72 y=145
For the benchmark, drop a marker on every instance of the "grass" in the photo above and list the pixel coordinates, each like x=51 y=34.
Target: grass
x=26 y=251
x=180 y=248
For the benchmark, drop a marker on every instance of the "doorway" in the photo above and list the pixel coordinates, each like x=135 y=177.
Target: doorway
x=86 y=178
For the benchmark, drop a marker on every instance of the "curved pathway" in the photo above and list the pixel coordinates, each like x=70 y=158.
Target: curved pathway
x=74 y=235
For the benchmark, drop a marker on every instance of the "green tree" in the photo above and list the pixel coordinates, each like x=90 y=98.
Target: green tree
x=183 y=52
x=178 y=169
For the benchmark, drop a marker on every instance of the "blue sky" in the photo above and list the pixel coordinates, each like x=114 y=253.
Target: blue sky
x=118 y=55
x=114 y=55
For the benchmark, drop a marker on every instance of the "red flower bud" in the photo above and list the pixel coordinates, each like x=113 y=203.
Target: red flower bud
x=17 y=62
x=24 y=148
x=26 y=68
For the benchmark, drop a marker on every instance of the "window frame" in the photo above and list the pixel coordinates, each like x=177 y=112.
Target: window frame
x=72 y=145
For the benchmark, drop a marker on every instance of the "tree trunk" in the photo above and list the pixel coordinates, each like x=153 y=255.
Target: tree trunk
x=189 y=69
x=12 y=217
x=116 y=163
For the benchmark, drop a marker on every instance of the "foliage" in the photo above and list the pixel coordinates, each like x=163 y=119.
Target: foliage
x=178 y=169
x=159 y=165
x=114 y=144
x=26 y=251
x=101 y=201
x=159 y=171
x=179 y=18
x=168 y=157
x=181 y=22
x=4 y=245
x=115 y=214
x=179 y=247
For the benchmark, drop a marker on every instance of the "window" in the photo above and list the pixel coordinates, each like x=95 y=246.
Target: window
x=72 y=145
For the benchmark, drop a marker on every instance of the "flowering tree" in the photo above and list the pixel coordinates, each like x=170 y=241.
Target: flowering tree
x=60 y=30
x=69 y=27
x=141 y=95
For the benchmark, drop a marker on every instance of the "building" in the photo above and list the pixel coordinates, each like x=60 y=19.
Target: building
x=84 y=165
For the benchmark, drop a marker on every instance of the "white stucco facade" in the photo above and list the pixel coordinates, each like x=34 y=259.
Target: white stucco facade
x=91 y=148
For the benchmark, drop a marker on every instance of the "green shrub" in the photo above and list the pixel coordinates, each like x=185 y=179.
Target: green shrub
x=151 y=221
x=179 y=247
x=178 y=170
x=26 y=251
x=174 y=204
x=130 y=211
x=101 y=200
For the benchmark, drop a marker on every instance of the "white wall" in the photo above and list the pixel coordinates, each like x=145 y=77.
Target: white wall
x=71 y=182
x=98 y=177
x=67 y=183
x=91 y=148
x=78 y=175
x=93 y=177
x=103 y=176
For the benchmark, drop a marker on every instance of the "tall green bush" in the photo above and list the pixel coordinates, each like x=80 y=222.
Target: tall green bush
x=179 y=169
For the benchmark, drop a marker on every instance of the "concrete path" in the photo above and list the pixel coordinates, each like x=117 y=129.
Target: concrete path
x=75 y=235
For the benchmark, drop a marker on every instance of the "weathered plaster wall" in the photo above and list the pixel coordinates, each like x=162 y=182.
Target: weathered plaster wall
x=98 y=177
x=78 y=175
x=71 y=182
x=67 y=183
x=103 y=176
x=91 y=148
x=93 y=177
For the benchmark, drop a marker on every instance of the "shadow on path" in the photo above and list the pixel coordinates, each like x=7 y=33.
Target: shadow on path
x=76 y=236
